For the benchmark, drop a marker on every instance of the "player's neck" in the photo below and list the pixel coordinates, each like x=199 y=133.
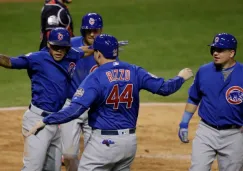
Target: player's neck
x=105 y=61
x=86 y=43
x=229 y=64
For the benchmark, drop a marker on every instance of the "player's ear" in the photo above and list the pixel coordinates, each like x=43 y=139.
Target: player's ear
x=232 y=53
x=48 y=45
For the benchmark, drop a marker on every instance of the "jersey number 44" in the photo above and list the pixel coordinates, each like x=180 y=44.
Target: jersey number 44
x=116 y=98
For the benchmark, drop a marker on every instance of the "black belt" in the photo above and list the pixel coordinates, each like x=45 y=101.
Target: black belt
x=222 y=127
x=116 y=132
x=43 y=114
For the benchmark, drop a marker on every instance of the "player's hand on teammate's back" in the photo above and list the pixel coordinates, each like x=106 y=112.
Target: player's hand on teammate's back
x=183 y=132
x=122 y=43
x=87 y=50
x=35 y=129
x=186 y=73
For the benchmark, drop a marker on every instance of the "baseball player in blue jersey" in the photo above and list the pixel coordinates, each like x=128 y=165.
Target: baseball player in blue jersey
x=112 y=94
x=91 y=26
x=50 y=71
x=219 y=90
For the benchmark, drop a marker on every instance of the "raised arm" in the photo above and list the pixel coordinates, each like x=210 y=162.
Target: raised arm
x=20 y=62
x=159 y=86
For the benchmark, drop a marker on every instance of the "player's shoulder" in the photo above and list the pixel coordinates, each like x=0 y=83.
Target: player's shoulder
x=42 y=53
x=76 y=38
x=239 y=64
x=77 y=41
x=206 y=67
x=73 y=51
x=127 y=65
x=74 y=54
x=93 y=77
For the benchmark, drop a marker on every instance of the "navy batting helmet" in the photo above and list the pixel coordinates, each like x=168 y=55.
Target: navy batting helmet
x=107 y=45
x=224 y=41
x=91 y=21
x=59 y=36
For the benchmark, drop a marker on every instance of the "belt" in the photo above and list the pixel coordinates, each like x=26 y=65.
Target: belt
x=38 y=111
x=115 y=132
x=222 y=127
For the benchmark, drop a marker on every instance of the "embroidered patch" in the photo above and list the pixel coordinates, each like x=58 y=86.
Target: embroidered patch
x=79 y=92
x=234 y=95
x=71 y=68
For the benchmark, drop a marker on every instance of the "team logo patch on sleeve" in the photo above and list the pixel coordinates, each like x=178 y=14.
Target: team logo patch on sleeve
x=79 y=92
x=234 y=95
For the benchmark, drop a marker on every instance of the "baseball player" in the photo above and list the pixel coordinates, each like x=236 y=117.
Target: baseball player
x=112 y=94
x=219 y=90
x=50 y=72
x=54 y=14
x=91 y=26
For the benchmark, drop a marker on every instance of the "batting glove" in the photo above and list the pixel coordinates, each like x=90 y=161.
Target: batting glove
x=183 y=132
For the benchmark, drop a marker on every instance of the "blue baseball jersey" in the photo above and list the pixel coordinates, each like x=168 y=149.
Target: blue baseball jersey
x=220 y=100
x=112 y=94
x=83 y=67
x=49 y=79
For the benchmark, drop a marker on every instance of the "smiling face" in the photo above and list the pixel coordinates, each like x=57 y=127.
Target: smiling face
x=58 y=52
x=222 y=57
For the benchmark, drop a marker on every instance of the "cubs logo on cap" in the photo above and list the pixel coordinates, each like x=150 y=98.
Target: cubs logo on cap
x=216 y=39
x=60 y=36
x=91 y=21
x=234 y=95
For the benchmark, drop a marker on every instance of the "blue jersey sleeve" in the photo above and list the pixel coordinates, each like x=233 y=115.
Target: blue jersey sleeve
x=86 y=94
x=148 y=81
x=79 y=51
x=157 y=85
x=21 y=62
x=194 y=92
x=88 y=91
